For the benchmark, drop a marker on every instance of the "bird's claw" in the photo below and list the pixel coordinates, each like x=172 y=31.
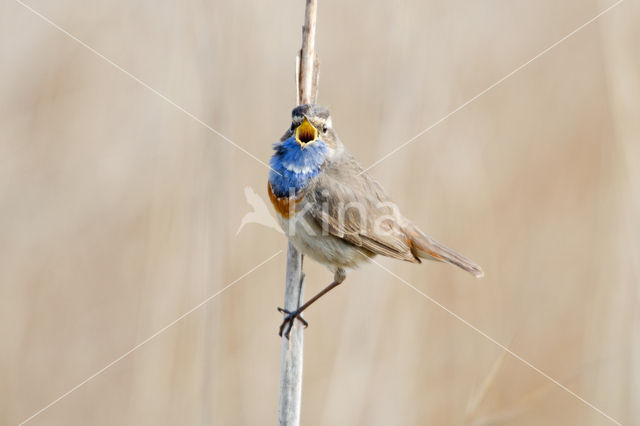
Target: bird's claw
x=287 y=323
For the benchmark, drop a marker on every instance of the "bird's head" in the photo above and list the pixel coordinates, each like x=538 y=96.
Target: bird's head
x=304 y=149
x=311 y=124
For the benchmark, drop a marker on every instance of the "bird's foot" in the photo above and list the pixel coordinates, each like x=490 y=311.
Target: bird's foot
x=289 y=318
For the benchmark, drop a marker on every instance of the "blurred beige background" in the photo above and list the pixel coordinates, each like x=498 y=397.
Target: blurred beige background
x=118 y=212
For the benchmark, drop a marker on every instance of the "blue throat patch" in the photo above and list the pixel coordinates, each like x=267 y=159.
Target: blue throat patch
x=296 y=166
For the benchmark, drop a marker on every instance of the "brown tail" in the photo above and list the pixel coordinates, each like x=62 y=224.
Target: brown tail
x=426 y=247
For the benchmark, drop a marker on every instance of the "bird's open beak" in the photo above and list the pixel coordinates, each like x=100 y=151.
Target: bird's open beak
x=306 y=133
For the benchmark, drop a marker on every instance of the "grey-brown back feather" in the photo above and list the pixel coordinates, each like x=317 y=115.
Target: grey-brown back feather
x=335 y=196
x=341 y=183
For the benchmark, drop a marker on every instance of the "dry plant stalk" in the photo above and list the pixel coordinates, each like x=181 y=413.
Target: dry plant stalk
x=307 y=72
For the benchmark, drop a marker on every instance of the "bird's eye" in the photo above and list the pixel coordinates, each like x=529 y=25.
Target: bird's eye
x=324 y=129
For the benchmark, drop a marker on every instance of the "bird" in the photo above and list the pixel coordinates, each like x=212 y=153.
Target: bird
x=336 y=213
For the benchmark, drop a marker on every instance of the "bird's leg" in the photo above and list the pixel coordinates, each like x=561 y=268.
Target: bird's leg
x=284 y=311
x=287 y=323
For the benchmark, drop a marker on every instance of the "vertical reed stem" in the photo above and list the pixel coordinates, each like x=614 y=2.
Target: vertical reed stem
x=307 y=70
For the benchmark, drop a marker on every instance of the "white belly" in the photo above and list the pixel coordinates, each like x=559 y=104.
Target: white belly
x=327 y=249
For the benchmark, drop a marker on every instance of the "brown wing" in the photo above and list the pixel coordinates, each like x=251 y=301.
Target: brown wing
x=354 y=207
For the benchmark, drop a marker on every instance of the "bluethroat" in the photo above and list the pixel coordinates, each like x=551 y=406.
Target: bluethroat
x=336 y=213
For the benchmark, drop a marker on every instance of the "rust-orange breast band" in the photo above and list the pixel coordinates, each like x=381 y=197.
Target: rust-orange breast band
x=283 y=205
